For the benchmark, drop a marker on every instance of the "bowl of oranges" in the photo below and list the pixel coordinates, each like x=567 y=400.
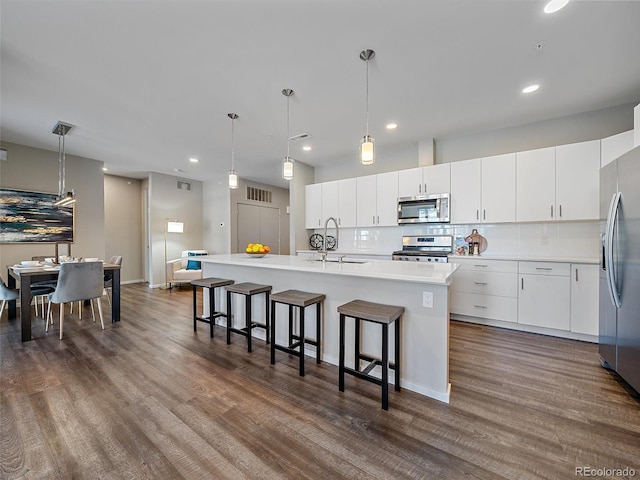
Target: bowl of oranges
x=257 y=250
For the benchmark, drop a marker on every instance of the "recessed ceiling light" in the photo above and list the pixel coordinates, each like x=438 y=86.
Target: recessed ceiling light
x=555 y=5
x=531 y=88
x=105 y=169
x=392 y=126
x=307 y=148
x=193 y=160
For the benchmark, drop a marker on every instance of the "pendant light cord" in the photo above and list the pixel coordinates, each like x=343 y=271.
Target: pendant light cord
x=288 y=97
x=367 y=62
x=233 y=154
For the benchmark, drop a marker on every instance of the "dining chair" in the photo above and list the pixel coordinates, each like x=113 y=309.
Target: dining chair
x=108 y=282
x=6 y=294
x=40 y=290
x=77 y=282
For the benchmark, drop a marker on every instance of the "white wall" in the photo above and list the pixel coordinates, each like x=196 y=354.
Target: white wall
x=168 y=202
x=34 y=169
x=298 y=237
x=216 y=225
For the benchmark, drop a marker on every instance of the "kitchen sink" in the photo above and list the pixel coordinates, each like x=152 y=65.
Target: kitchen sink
x=336 y=260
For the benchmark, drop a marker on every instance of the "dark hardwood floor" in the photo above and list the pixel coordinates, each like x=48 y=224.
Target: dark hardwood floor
x=148 y=398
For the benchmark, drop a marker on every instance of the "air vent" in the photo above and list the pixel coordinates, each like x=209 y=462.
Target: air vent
x=258 y=195
x=4 y=154
x=184 y=186
x=300 y=136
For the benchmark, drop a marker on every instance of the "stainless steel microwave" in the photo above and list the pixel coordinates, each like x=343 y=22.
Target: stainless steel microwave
x=424 y=209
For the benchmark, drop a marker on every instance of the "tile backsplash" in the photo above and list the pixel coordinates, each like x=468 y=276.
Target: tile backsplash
x=561 y=239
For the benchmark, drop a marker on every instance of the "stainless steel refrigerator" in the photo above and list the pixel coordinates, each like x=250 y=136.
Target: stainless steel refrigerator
x=620 y=267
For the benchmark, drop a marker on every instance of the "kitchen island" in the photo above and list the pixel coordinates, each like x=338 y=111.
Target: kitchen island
x=422 y=289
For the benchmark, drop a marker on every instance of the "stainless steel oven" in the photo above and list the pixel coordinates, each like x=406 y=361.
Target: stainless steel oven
x=425 y=248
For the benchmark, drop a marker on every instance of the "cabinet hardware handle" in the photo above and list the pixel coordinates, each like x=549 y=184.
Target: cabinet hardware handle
x=479 y=306
x=551 y=211
x=318 y=222
x=522 y=284
x=378 y=220
x=373 y=219
x=481 y=283
x=425 y=188
x=560 y=211
x=576 y=274
x=477 y=214
x=480 y=265
x=420 y=188
x=339 y=221
x=484 y=214
x=546 y=269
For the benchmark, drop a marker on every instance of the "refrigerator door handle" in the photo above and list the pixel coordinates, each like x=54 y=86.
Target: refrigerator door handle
x=611 y=230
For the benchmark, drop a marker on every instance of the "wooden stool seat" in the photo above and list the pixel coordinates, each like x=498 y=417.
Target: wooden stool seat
x=247 y=289
x=385 y=315
x=297 y=298
x=210 y=283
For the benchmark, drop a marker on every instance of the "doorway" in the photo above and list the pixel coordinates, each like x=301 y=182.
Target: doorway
x=258 y=224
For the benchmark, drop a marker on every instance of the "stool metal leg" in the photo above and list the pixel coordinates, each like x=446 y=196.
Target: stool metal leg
x=341 y=355
x=212 y=309
x=229 y=322
x=385 y=367
x=301 y=341
x=273 y=332
x=318 y=333
x=195 y=314
x=248 y=321
x=290 y=325
x=357 y=345
x=266 y=316
x=397 y=349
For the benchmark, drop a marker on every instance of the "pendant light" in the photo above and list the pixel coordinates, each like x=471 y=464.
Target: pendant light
x=287 y=165
x=233 y=175
x=367 y=150
x=64 y=198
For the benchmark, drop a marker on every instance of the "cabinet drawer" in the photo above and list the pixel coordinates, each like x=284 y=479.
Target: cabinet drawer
x=485 y=306
x=545 y=268
x=486 y=283
x=482 y=265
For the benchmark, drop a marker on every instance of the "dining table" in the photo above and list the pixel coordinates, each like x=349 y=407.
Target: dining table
x=25 y=276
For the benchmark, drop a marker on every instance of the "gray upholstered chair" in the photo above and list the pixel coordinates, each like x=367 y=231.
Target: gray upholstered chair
x=6 y=294
x=108 y=282
x=40 y=290
x=76 y=282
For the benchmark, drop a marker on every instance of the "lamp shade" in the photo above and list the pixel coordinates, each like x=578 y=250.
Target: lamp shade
x=367 y=150
x=175 y=227
x=287 y=168
x=233 y=179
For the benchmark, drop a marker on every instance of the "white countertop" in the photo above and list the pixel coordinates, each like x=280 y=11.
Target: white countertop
x=433 y=273
x=524 y=258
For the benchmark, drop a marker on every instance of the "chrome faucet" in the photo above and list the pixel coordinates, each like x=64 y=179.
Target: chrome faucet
x=323 y=252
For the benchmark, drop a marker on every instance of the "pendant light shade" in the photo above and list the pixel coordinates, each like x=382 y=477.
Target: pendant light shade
x=233 y=175
x=65 y=198
x=367 y=148
x=287 y=165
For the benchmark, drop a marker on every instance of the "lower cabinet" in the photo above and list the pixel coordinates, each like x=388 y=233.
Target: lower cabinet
x=544 y=295
x=485 y=288
x=560 y=297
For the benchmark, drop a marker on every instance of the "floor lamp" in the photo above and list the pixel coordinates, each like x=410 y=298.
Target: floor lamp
x=172 y=226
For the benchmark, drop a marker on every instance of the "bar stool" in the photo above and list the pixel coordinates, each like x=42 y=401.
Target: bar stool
x=247 y=289
x=211 y=284
x=302 y=300
x=383 y=315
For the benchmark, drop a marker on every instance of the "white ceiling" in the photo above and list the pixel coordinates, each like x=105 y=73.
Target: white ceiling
x=149 y=83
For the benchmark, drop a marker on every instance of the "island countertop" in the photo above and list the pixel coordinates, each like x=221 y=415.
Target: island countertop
x=428 y=273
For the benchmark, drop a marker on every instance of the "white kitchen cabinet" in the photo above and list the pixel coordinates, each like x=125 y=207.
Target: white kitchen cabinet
x=484 y=190
x=584 y=298
x=466 y=195
x=499 y=188
x=544 y=295
x=578 y=181
x=313 y=205
x=424 y=180
x=536 y=185
x=485 y=289
x=330 y=203
x=377 y=200
x=614 y=146
x=348 y=202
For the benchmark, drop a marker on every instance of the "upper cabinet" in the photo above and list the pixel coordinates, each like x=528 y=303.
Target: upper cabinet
x=484 y=190
x=377 y=200
x=614 y=146
x=331 y=199
x=558 y=183
x=313 y=205
x=347 y=199
x=424 y=180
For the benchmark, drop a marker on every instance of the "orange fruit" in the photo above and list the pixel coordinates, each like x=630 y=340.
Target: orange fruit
x=267 y=249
